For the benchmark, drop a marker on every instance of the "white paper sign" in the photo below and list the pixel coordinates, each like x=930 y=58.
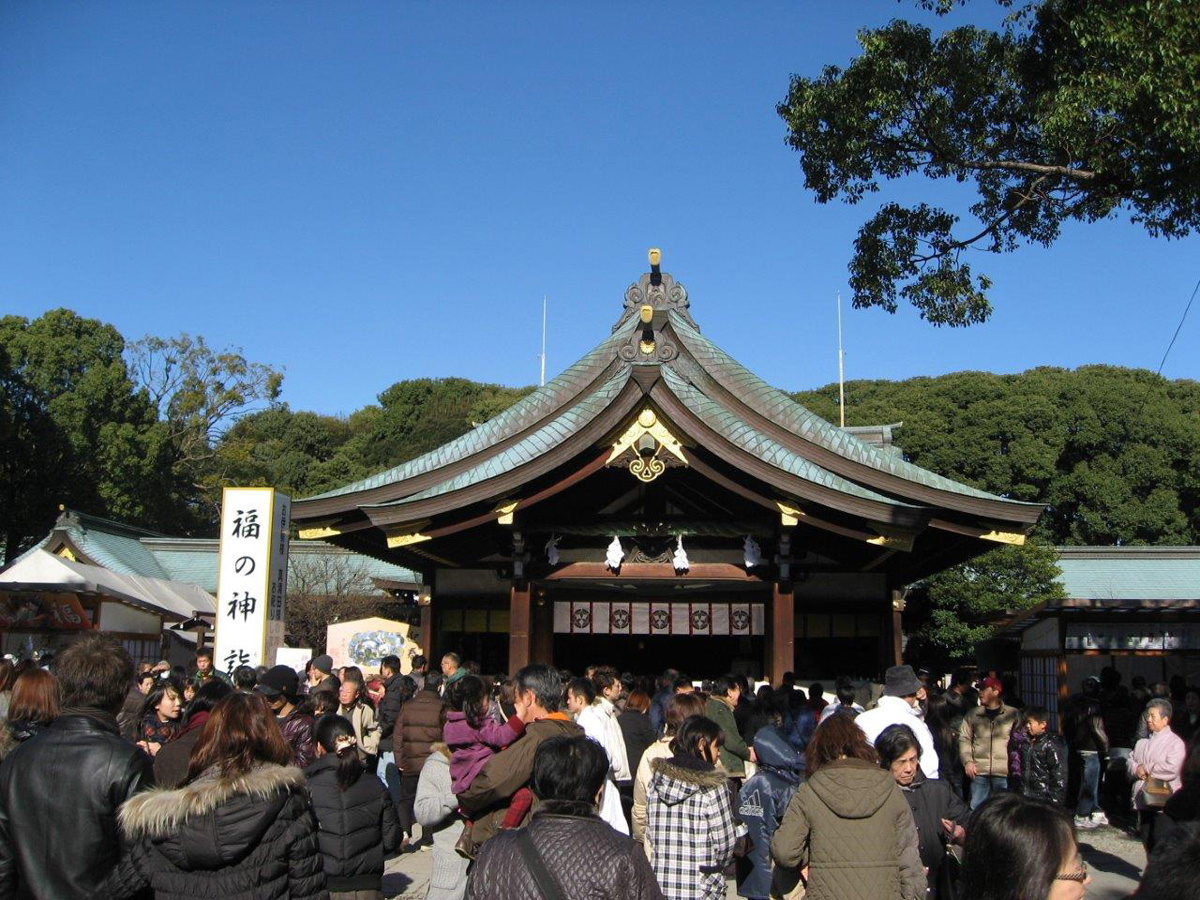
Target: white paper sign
x=251 y=576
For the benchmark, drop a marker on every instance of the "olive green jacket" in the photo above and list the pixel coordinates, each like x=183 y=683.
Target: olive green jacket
x=851 y=826
x=735 y=753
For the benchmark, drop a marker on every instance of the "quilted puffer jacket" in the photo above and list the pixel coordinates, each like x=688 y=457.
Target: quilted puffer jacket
x=763 y=798
x=1044 y=768
x=584 y=855
x=251 y=837
x=850 y=825
x=689 y=827
x=357 y=827
x=418 y=728
x=297 y=728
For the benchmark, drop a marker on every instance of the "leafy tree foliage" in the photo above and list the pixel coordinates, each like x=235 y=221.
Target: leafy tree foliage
x=1073 y=111
x=76 y=429
x=1010 y=578
x=304 y=453
x=1113 y=452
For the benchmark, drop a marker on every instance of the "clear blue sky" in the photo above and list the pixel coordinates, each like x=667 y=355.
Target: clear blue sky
x=365 y=192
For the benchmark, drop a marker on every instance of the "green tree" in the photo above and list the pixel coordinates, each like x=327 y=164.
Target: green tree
x=76 y=430
x=1073 y=111
x=198 y=394
x=1008 y=579
x=1114 y=453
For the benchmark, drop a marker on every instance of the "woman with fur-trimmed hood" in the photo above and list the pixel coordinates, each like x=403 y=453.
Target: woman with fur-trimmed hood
x=239 y=828
x=690 y=827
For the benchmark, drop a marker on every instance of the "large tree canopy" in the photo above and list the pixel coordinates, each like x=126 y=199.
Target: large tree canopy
x=1074 y=111
x=1113 y=452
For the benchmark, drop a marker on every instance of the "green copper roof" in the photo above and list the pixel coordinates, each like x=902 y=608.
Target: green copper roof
x=745 y=436
x=521 y=414
x=786 y=412
x=534 y=445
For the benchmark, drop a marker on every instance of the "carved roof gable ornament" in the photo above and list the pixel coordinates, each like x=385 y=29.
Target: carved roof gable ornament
x=658 y=292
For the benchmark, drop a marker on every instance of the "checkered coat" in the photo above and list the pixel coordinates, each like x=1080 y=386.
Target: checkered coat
x=690 y=828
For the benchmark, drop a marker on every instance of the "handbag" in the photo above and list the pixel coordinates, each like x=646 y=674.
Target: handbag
x=546 y=884
x=1155 y=793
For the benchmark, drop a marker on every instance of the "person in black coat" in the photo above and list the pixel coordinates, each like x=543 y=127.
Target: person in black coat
x=358 y=825
x=938 y=813
x=239 y=827
x=1043 y=760
x=636 y=728
x=59 y=790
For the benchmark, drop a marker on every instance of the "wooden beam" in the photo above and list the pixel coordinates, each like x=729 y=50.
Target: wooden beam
x=894 y=627
x=542 y=639
x=518 y=628
x=663 y=571
x=783 y=632
x=427 y=632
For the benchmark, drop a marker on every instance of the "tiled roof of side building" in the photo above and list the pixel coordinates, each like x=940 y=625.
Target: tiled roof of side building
x=526 y=411
x=113 y=545
x=1131 y=573
x=786 y=412
x=531 y=447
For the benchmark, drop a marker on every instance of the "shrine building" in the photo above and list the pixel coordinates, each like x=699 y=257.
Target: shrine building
x=658 y=505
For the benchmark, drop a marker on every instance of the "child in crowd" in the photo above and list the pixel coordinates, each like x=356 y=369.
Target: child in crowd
x=473 y=737
x=1044 y=766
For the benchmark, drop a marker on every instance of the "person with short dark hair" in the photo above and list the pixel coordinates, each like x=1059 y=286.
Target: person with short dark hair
x=171 y=762
x=845 y=702
x=599 y=722
x=239 y=826
x=538 y=695
x=937 y=812
x=849 y=823
x=245 y=678
x=1043 y=759
x=321 y=677
x=357 y=824
x=418 y=666
x=206 y=671
x=569 y=775
x=690 y=826
x=734 y=751
x=665 y=685
x=1021 y=849
x=280 y=686
x=59 y=792
x=1171 y=870
x=983 y=741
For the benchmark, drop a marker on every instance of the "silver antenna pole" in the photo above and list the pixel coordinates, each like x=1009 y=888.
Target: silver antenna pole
x=543 y=340
x=841 y=365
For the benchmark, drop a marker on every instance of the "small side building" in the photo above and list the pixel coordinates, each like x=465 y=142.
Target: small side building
x=1136 y=609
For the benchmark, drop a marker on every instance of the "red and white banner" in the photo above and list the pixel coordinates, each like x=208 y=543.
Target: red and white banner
x=624 y=617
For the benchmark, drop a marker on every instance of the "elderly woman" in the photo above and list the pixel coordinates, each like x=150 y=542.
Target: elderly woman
x=938 y=814
x=1156 y=762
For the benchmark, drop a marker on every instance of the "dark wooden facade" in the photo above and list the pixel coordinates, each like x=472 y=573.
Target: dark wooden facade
x=656 y=436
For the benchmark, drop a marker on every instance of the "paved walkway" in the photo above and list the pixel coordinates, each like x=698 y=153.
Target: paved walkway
x=1114 y=858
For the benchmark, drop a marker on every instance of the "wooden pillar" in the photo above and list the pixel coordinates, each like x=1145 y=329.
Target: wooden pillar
x=541 y=639
x=894 y=629
x=518 y=628
x=427 y=631
x=783 y=631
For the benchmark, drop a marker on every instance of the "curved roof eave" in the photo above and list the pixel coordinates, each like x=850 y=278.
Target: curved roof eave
x=775 y=406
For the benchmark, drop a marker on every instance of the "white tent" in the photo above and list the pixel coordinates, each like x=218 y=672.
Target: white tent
x=42 y=571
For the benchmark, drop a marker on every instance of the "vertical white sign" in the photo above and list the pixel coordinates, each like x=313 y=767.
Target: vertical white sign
x=251 y=575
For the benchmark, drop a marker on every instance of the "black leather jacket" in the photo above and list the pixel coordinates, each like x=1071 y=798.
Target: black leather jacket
x=59 y=794
x=1044 y=769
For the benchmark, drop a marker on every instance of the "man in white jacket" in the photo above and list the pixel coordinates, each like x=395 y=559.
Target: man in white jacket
x=898 y=706
x=599 y=722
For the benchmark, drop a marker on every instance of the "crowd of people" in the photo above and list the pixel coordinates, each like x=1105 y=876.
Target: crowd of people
x=118 y=782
